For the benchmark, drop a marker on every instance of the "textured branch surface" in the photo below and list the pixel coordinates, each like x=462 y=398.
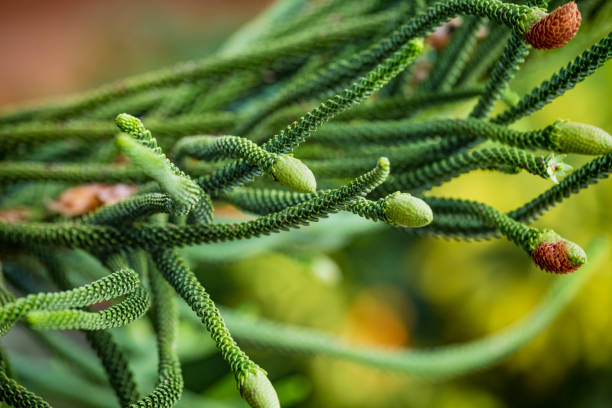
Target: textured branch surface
x=350 y=78
x=438 y=172
x=297 y=132
x=116 y=284
x=566 y=79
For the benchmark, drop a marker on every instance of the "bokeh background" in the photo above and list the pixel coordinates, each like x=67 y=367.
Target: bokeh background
x=365 y=282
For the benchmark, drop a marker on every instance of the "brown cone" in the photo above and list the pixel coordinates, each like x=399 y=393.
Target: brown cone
x=552 y=257
x=556 y=29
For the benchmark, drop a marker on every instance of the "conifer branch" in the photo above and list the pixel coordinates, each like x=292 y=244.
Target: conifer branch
x=119 y=315
x=147 y=155
x=107 y=238
x=117 y=284
x=111 y=355
x=36 y=133
x=169 y=385
x=422 y=179
x=299 y=73
x=12 y=172
x=297 y=132
x=251 y=379
x=548 y=250
x=567 y=78
x=15 y=394
x=285 y=169
x=560 y=137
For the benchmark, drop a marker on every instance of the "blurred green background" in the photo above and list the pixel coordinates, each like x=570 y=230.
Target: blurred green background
x=365 y=282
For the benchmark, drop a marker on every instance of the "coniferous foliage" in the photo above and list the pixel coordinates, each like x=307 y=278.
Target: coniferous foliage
x=344 y=115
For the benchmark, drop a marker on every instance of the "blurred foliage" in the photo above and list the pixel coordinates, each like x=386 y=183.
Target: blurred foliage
x=372 y=284
x=393 y=290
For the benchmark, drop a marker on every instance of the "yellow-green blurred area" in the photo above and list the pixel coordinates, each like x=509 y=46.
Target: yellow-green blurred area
x=371 y=284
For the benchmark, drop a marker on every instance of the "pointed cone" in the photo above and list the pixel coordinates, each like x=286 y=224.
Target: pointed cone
x=557 y=255
x=258 y=391
x=580 y=138
x=555 y=29
x=404 y=210
x=294 y=174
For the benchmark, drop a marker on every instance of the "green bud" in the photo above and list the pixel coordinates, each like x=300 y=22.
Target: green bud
x=129 y=124
x=580 y=138
x=257 y=390
x=294 y=174
x=575 y=253
x=404 y=210
x=383 y=162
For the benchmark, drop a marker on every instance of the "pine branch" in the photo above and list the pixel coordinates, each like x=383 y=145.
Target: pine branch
x=251 y=379
x=280 y=85
x=507 y=66
x=561 y=136
x=285 y=169
x=399 y=209
x=106 y=238
x=426 y=177
x=15 y=394
x=131 y=308
x=297 y=132
x=116 y=284
x=567 y=78
x=12 y=172
x=169 y=384
x=548 y=250
x=454 y=57
x=111 y=356
x=130 y=210
x=461 y=227
x=143 y=150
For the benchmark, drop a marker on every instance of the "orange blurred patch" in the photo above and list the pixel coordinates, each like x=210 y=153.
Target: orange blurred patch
x=89 y=197
x=372 y=319
x=121 y=159
x=228 y=211
x=440 y=38
x=14 y=215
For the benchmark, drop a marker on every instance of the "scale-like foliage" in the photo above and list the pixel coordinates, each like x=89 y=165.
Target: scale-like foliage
x=327 y=62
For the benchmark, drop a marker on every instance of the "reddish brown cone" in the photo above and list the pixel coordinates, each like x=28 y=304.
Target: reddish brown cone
x=556 y=29
x=553 y=257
